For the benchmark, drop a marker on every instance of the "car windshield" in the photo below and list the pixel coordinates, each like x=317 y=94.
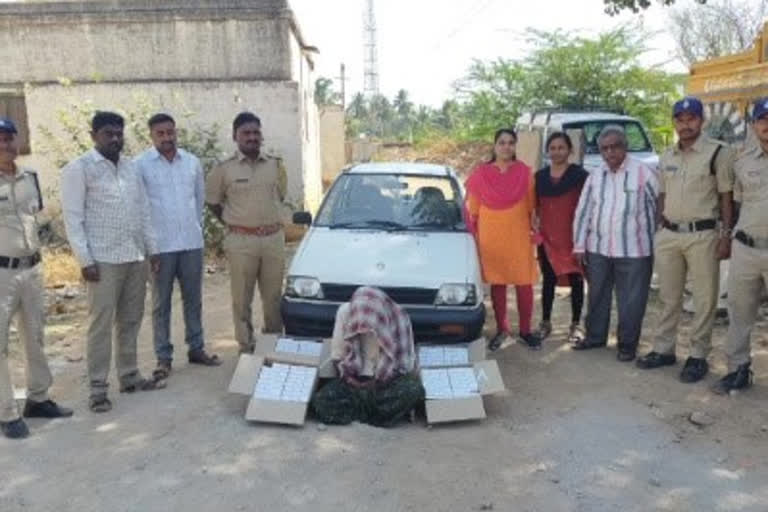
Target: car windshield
x=636 y=137
x=393 y=202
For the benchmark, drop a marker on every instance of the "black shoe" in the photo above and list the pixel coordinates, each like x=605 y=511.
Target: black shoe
x=655 y=360
x=625 y=356
x=201 y=357
x=740 y=379
x=532 y=341
x=47 y=409
x=15 y=429
x=694 y=370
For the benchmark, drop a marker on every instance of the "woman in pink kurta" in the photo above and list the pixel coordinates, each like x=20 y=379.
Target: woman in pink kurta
x=500 y=205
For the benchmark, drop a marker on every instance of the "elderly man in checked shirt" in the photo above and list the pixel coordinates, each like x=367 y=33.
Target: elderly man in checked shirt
x=174 y=181
x=106 y=213
x=613 y=232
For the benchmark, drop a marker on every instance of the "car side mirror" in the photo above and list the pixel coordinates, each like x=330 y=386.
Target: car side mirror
x=302 y=218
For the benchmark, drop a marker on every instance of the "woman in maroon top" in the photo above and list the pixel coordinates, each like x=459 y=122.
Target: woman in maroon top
x=558 y=187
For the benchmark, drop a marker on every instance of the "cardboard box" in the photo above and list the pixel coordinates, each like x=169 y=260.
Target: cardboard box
x=468 y=406
x=268 y=346
x=429 y=354
x=250 y=369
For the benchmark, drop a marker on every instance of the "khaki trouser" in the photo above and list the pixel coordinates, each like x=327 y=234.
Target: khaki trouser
x=747 y=279
x=22 y=291
x=255 y=259
x=677 y=256
x=115 y=301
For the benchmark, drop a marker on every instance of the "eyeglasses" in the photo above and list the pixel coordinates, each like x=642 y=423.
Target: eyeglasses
x=607 y=148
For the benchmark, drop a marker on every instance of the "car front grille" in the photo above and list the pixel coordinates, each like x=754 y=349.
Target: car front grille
x=403 y=296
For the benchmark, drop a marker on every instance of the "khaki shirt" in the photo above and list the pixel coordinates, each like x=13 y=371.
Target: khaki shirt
x=20 y=201
x=691 y=191
x=251 y=191
x=751 y=190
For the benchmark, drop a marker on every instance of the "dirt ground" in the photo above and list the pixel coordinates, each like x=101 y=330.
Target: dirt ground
x=575 y=432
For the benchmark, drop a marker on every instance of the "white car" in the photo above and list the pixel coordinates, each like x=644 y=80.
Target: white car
x=398 y=227
x=591 y=123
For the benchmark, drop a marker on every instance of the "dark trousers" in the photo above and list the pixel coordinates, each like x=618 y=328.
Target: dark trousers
x=548 y=284
x=631 y=277
x=187 y=267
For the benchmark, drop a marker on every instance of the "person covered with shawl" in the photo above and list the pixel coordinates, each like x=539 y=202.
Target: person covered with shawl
x=558 y=188
x=373 y=350
x=501 y=209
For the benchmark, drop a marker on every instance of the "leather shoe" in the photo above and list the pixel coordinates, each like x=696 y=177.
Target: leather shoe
x=15 y=429
x=46 y=409
x=655 y=360
x=201 y=357
x=740 y=379
x=625 y=356
x=694 y=370
x=531 y=340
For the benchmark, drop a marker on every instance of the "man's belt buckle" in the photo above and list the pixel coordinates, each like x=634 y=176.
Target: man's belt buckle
x=686 y=228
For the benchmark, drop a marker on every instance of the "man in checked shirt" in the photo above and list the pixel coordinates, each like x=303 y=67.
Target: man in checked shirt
x=107 y=216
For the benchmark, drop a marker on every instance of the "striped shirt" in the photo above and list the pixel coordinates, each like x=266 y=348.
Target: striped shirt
x=616 y=213
x=176 y=193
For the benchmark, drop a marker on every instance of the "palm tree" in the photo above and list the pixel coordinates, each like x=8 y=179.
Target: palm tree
x=358 y=107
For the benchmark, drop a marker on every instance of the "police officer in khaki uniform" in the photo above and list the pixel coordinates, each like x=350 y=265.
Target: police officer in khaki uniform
x=21 y=289
x=246 y=193
x=748 y=273
x=695 y=217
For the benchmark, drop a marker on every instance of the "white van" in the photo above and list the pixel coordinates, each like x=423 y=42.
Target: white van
x=398 y=227
x=591 y=123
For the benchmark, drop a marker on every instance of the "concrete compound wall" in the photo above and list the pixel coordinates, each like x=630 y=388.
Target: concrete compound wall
x=332 y=134
x=135 y=40
x=211 y=57
x=277 y=103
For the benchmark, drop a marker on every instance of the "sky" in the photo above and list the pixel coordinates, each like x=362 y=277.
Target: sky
x=425 y=45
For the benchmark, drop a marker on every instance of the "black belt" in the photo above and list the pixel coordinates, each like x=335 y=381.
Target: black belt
x=690 y=227
x=761 y=243
x=23 y=262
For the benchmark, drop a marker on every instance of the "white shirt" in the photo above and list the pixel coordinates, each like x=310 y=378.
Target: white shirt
x=616 y=214
x=106 y=210
x=176 y=192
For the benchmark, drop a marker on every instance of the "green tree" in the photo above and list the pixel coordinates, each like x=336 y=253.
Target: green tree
x=614 y=7
x=566 y=70
x=492 y=94
x=324 y=92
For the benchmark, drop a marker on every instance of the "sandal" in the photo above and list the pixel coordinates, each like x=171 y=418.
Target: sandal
x=144 y=385
x=100 y=404
x=162 y=371
x=200 y=357
x=545 y=329
x=583 y=344
x=497 y=341
x=575 y=334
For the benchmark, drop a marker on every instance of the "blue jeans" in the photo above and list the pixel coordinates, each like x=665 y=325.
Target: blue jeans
x=187 y=267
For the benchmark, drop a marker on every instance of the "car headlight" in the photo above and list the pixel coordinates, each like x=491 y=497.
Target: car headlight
x=456 y=294
x=304 y=287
